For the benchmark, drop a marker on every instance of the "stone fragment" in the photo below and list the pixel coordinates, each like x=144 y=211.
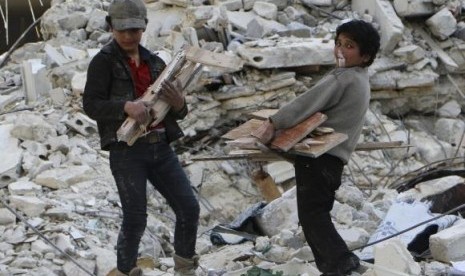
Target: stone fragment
x=413 y=8
x=266 y=10
x=29 y=205
x=447 y=245
x=442 y=24
x=392 y=255
x=64 y=177
x=11 y=156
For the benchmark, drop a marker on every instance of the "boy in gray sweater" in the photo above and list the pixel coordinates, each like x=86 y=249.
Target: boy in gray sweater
x=343 y=95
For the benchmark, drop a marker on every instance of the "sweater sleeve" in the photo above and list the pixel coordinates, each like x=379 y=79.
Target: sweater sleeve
x=321 y=96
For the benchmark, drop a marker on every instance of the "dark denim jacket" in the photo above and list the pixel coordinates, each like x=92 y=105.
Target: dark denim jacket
x=109 y=85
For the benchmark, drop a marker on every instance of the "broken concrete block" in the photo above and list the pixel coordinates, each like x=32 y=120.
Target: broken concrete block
x=24 y=187
x=324 y=3
x=442 y=24
x=78 y=82
x=410 y=53
x=30 y=126
x=449 y=130
x=36 y=82
x=58 y=96
x=391 y=27
x=417 y=79
x=413 y=8
x=288 y=52
x=64 y=177
x=266 y=10
x=11 y=156
x=7 y=217
x=55 y=56
x=81 y=123
x=240 y=20
x=394 y=256
x=230 y=5
x=447 y=245
x=279 y=214
x=277 y=81
x=280 y=171
x=29 y=205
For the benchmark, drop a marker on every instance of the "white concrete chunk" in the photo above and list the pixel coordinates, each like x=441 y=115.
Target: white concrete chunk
x=266 y=10
x=7 y=217
x=393 y=255
x=410 y=53
x=81 y=123
x=413 y=8
x=24 y=187
x=279 y=214
x=64 y=177
x=447 y=245
x=31 y=206
x=442 y=24
x=280 y=171
x=36 y=82
x=78 y=82
x=11 y=156
x=289 y=52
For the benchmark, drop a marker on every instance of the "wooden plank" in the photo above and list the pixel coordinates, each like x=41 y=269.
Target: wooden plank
x=285 y=139
x=205 y=57
x=263 y=114
x=366 y=146
x=243 y=130
x=330 y=141
x=178 y=69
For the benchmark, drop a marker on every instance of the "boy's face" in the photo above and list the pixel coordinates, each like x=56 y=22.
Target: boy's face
x=347 y=52
x=128 y=39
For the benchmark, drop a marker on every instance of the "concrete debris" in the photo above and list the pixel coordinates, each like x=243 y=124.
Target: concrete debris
x=55 y=179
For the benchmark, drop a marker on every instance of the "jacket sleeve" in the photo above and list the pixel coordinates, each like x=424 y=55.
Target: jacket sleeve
x=97 y=102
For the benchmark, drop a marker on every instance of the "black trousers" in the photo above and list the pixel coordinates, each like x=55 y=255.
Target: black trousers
x=317 y=181
x=132 y=166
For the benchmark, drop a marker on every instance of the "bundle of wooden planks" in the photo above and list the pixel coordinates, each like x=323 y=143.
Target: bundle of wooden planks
x=306 y=138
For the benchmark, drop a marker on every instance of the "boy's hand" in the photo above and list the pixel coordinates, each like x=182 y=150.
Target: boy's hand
x=138 y=110
x=171 y=93
x=265 y=132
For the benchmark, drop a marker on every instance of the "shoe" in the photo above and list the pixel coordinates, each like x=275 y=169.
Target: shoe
x=185 y=266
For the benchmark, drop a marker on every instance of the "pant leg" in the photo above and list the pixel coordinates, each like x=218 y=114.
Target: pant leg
x=317 y=180
x=170 y=179
x=129 y=171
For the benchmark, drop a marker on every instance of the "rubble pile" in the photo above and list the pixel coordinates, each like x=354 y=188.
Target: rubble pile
x=60 y=212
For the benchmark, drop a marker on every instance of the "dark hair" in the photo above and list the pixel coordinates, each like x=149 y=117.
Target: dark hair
x=364 y=34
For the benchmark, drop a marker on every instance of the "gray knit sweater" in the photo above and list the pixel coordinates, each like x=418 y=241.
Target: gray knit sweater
x=343 y=95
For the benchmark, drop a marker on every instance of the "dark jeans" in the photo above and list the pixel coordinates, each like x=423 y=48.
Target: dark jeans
x=317 y=181
x=132 y=166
